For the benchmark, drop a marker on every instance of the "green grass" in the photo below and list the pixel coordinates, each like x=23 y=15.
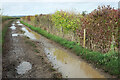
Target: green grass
x=31 y=43
x=36 y=50
x=3 y=33
x=108 y=61
x=52 y=69
x=4 y=30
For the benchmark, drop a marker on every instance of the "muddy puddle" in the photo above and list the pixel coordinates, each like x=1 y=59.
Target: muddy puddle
x=32 y=35
x=27 y=32
x=13 y=24
x=69 y=65
x=23 y=67
x=16 y=34
x=13 y=27
x=18 y=22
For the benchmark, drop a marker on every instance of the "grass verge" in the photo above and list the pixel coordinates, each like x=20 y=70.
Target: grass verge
x=108 y=62
x=4 y=30
x=3 y=33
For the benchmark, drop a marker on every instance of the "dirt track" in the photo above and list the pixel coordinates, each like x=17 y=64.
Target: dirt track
x=39 y=56
x=18 y=49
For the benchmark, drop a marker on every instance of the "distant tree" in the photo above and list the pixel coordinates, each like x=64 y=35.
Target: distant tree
x=84 y=13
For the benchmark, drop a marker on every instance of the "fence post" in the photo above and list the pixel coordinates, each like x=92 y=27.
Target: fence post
x=113 y=43
x=84 y=38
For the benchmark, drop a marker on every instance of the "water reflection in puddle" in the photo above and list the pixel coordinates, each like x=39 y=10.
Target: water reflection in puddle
x=30 y=34
x=23 y=67
x=13 y=24
x=70 y=66
x=15 y=35
x=18 y=22
x=13 y=27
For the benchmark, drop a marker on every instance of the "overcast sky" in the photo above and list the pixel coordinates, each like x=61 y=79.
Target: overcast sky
x=32 y=7
x=59 y=0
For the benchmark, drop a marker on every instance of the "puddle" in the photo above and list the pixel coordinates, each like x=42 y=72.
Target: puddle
x=71 y=66
x=30 y=34
x=13 y=24
x=18 y=22
x=23 y=67
x=13 y=27
x=15 y=35
x=36 y=35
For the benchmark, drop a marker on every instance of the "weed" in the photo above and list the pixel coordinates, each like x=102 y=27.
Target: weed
x=31 y=43
x=48 y=53
x=52 y=69
x=22 y=31
x=36 y=50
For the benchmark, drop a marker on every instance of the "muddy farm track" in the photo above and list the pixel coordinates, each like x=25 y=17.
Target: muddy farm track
x=27 y=54
x=17 y=51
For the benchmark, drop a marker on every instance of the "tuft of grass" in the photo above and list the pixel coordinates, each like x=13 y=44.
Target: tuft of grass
x=22 y=31
x=57 y=76
x=26 y=38
x=52 y=69
x=36 y=50
x=48 y=53
x=31 y=43
x=109 y=62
